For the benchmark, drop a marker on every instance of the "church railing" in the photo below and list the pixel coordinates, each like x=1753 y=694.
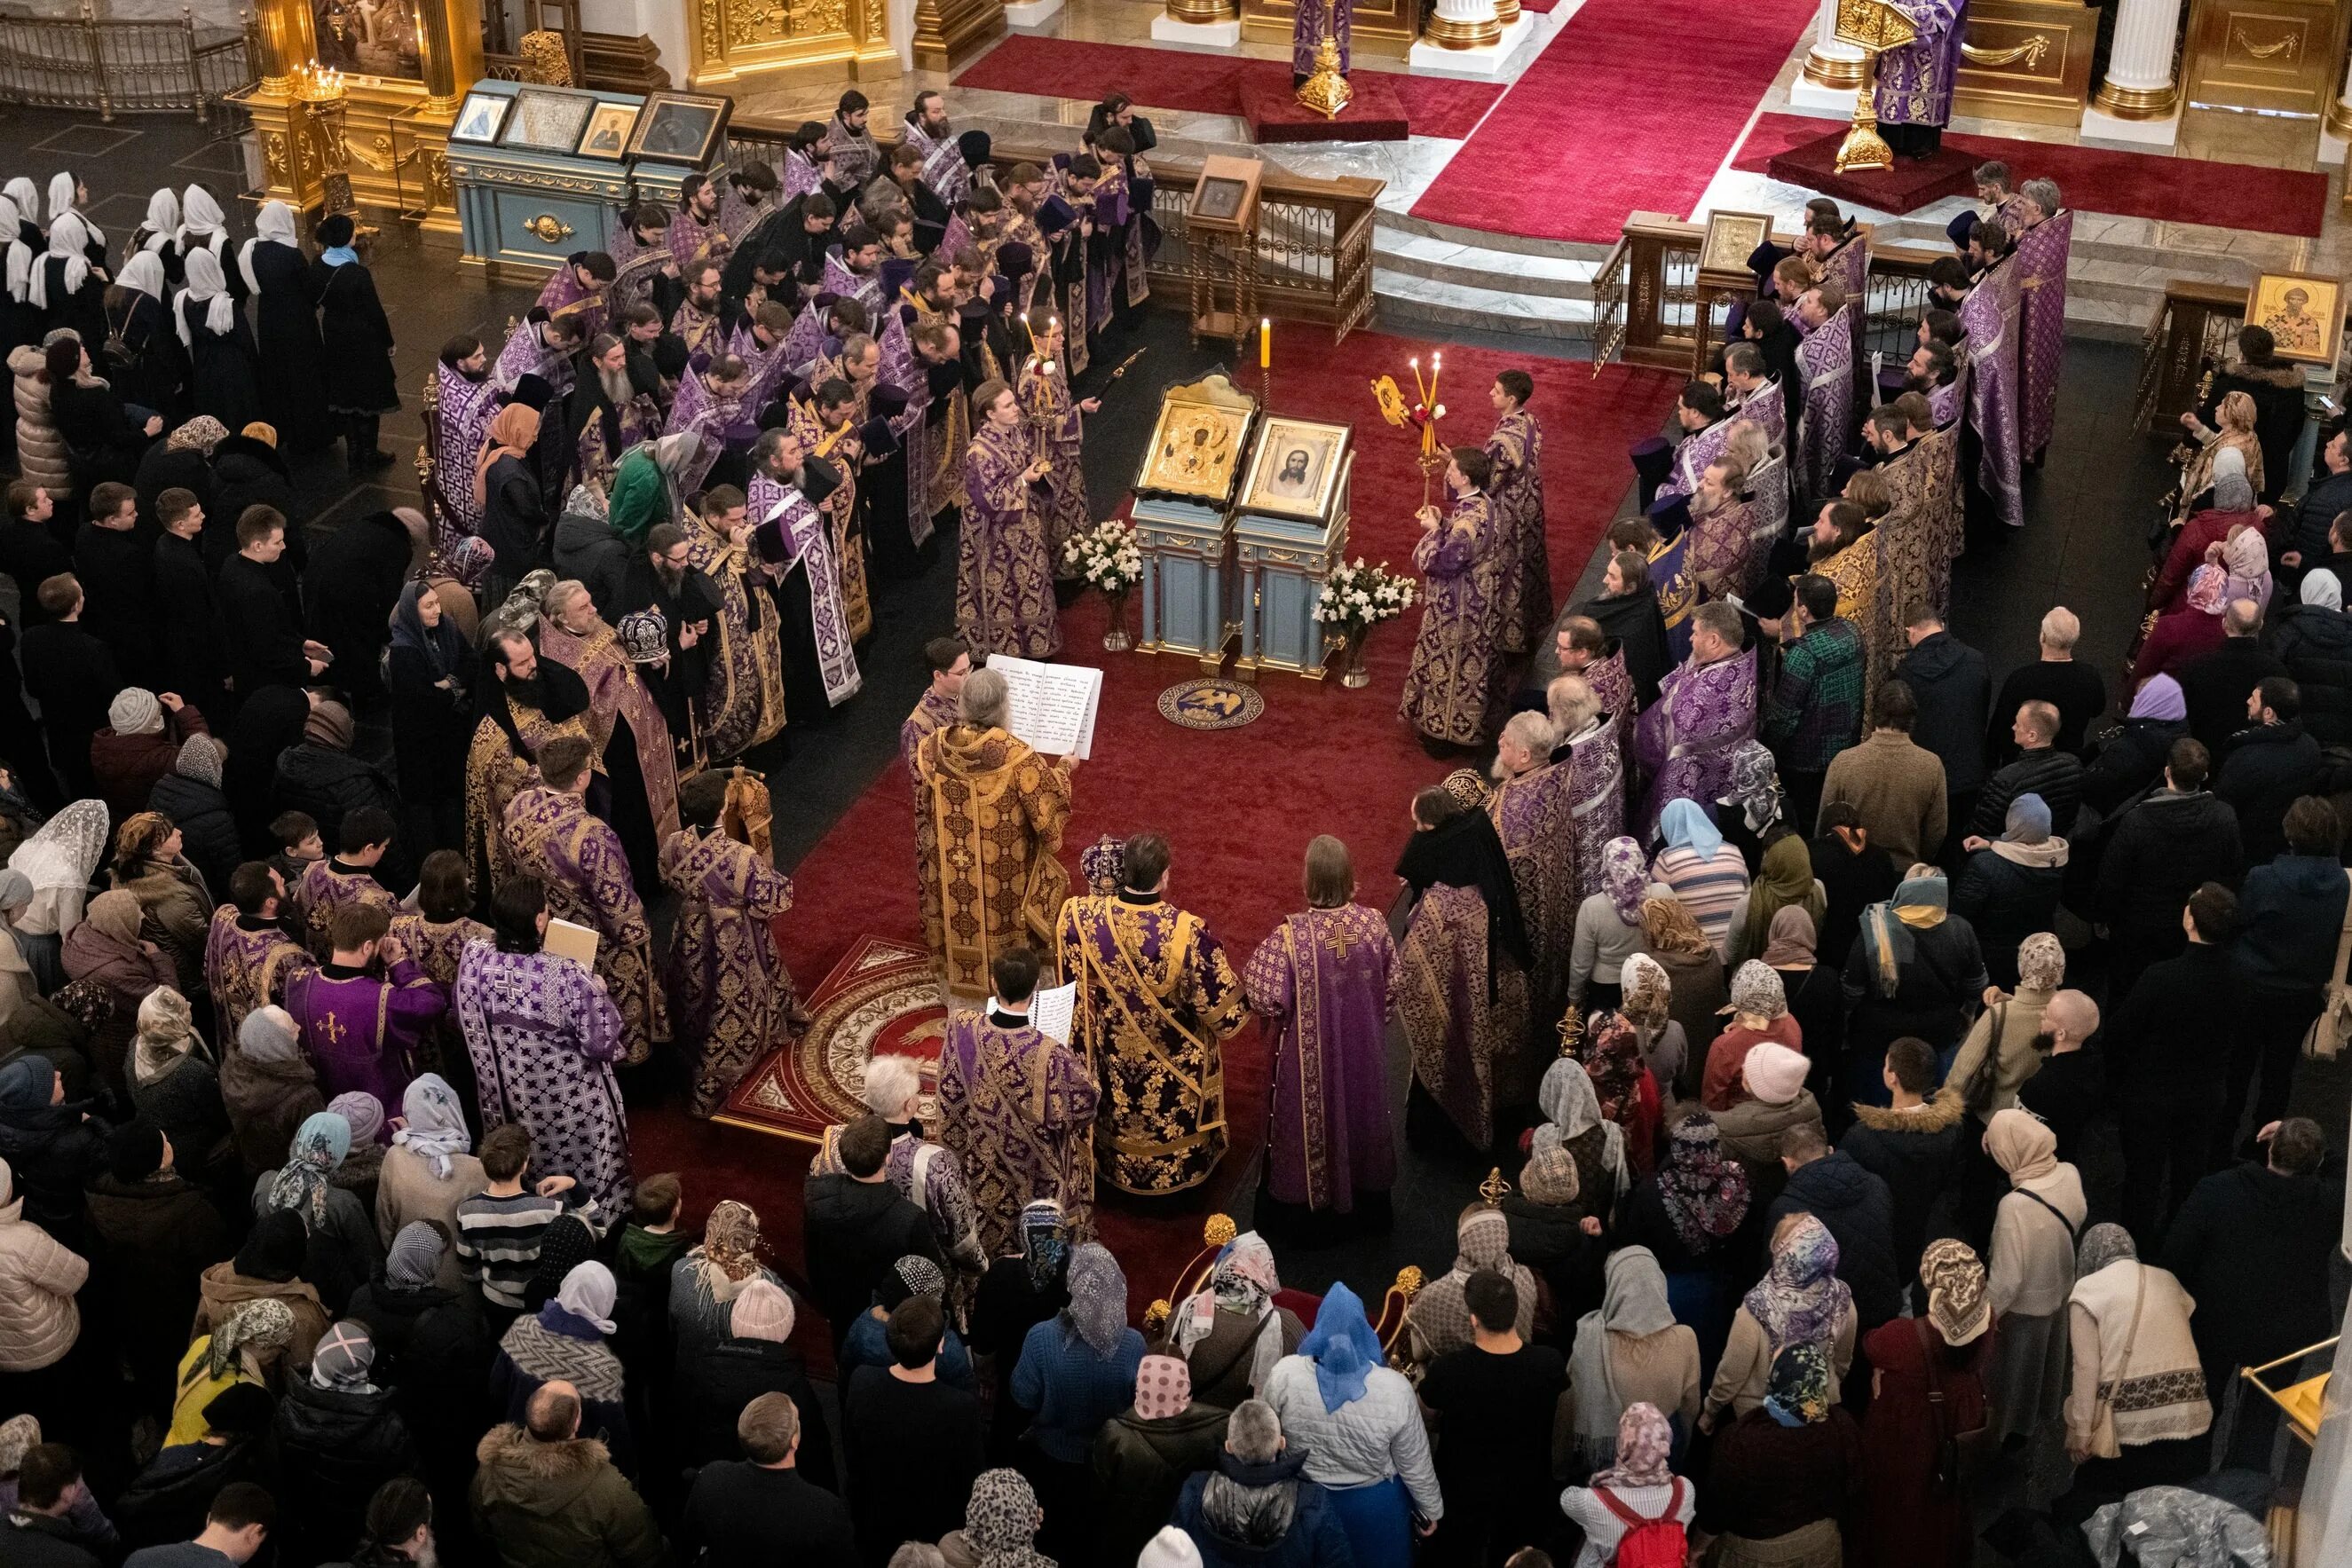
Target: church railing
x=1314 y=249
x=2192 y=329
x=81 y=60
x=1609 y=305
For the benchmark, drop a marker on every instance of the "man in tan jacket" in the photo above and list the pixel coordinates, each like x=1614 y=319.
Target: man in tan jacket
x=1895 y=785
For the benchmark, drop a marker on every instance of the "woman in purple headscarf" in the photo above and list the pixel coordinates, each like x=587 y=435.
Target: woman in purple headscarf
x=1799 y=1300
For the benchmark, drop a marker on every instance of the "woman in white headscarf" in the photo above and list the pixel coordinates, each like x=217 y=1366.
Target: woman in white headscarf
x=158 y=233
x=146 y=363
x=202 y=228
x=224 y=381
x=59 y=861
x=1630 y=1348
x=285 y=331
x=26 y=198
x=16 y=257
x=67 y=289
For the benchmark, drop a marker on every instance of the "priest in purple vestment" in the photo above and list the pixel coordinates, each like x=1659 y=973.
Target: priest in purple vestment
x=361 y=1030
x=1913 y=101
x=1826 y=366
x=1705 y=709
x=463 y=400
x=1993 y=317
x=2043 y=242
x=1320 y=985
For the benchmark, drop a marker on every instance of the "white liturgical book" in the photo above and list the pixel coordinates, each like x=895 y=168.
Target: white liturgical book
x=1053 y=706
x=566 y=940
x=1049 y=1011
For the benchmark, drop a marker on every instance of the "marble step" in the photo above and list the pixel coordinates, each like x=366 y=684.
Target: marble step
x=1447 y=260
x=1405 y=297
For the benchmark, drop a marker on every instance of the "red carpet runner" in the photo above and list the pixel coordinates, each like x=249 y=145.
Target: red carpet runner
x=1238 y=805
x=1197 y=82
x=1633 y=105
x=2101 y=180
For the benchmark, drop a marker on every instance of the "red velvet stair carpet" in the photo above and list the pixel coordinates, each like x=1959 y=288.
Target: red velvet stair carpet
x=1206 y=83
x=1634 y=104
x=1238 y=805
x=2105 y=180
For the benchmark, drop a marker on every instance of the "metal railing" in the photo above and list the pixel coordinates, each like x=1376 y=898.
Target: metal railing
x=80 y=61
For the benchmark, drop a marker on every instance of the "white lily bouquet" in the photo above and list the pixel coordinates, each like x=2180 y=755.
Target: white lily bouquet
x=1108 y=556
x=1356 y=597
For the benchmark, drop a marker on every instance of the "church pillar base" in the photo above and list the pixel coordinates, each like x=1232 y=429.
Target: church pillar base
x=1482 y=62
x=1031 y=13
x=2100 y=126
x=1167 y=29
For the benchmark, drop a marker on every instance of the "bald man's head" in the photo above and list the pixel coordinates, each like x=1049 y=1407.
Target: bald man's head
x=2071 y=1016
x=554 y=1413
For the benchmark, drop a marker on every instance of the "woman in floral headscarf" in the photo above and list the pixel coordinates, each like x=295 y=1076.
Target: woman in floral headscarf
x=999 y=1524
x=2236 y=416
x=2182 y=635
x=1074 y=1371
x=1695 y=975
x=1608 y=926
x=1610 y=1052
x=1799 y=1300
x=1439 y=1318
x=1780 y=1478
x=1688 y=1213
x=1648 y=1006
x=704 y=1283
x=1641 y=1481
x=344 y=1251
x=245 y=1348
x=1752 y=810
x=1146 y=1453
x=1230 y=1334
x=1928 y=1385
x=1759 y=1012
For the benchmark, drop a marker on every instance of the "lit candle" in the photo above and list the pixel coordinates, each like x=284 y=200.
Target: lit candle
x=1421 y=388
x=1436 y=364
x=1265 y=343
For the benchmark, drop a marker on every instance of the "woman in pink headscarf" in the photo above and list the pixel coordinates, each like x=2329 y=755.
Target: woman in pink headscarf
x=2189 y=632
x=1146 y=1452
x=1639 y=1487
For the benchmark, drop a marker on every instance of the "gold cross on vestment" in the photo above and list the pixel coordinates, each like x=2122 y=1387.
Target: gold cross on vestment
x=1337 y=939
x=332 y=1028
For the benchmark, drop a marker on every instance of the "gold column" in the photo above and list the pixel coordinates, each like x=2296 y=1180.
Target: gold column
x=1196 y=13
x=288 y=41
x=450 y=32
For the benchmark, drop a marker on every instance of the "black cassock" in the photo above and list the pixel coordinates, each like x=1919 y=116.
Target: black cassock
x=286 y=331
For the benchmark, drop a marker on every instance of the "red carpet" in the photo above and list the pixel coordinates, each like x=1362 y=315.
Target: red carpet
x=1200 y=83
x=1375 y=113
x=1239 y=805
x=2100 y=179
x=1905 y=186
x=1633 y=105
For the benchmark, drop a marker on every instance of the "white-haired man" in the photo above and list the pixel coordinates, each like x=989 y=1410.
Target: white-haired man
x=2074 y=689
x=926 y=1174
x=1529 y=805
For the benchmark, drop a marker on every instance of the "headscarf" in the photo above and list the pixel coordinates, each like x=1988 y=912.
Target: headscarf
x=17 y=277
x=63 y=188
x=330 y=725
x=2249 y=561
x=443 y=646
x=2321 y=587
x=1625 y=877
x=414 y=1256
x=69 y=237
x=1163 y=1388
x=2028 y=822
x=1098 y=1309
x=16 y=890
x=1686 y=826
x=2041 y=963
x=588 y=1293
x=1789 y=941
x=302 y=1185
x=27 y=197
x=199 y=759
x=270 y=1035
x=1918 y=904
x=1668 y=928
x=2102 y=1245
x=1785 y=880
x=1551 y=1177
x=1342 y=1346
x=1956 y=1303
x=200 y=216
x=163 y=220
x=115 y=914
x=2208 y=590
x=363 y=1112
x=344 y=1359
x=1633 y=1303
x=1466 y=852
x=1044 y=1243
x=1243 y=1281
x=274 y=222
x=1482 y=1240
x=208 y=287
x=1572 y=1107
x=167 y=1032
x=1705 y=1196
x=511 y=432
x=17 y=1435
x=200 y=433
x=432 y=1123
x=1754 y=785
x=999 y=1522
x=1612 y=1057
x=2160 y=697
x=1801 y=1299
x=1647 y=989
x=1645 y=1441
x=765 y=1312
x=264 y=1326
x=143 y=273
x=1758 y=995
x=1798 y=1393
x=730 y=1252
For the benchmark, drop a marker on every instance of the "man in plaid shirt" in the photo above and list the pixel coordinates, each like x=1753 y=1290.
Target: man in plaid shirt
x=1814 y=709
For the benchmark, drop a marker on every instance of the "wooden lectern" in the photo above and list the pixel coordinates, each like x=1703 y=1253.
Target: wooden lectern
x=1875 y=26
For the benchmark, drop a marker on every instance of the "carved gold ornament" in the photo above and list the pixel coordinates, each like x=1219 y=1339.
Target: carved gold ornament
x=548 y=229
x=2031 y=52
x=2287 y=44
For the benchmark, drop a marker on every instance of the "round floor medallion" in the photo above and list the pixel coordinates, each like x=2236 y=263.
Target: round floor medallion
x=1211 y=703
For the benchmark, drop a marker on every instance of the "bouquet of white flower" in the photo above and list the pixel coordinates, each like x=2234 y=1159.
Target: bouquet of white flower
x=1356 y=597
x=1108 y=556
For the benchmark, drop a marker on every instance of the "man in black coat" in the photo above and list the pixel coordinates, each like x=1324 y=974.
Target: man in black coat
x=1955 y=694
x=116 y=568
x=265 y=644
x=36 y=1534
x=2252 y=1247
x=718 y=1384
x=189 y=629
x=30 y=555
x=2268 y=765
x=2167 y=1065
x=2213 y=686
x=762 y=1508
x=1834 y=1189
x=250 y=472
x=2299 y=545
x=72 y=675
x=2043 y=768
x=858 y=1225
x=350 y=591
x=2157 y=854
x=1911 y=1145
x=2056 y=677
x=2070 y=1087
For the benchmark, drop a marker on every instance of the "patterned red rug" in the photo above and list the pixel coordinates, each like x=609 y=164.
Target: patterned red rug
x=882 y=999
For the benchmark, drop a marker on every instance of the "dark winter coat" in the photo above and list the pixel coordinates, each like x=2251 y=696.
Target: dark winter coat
x=1955 y=693
x=248 y=471
x=2266 y=768
x=2130 y=761
x=150 y=1240
x=357 y=338
x=2289 y=919
x=265 y=634
x=117 y=571
x=126 y=766
x=2169 y=1041
x=285 y=331
x=350 y=590
x=207 y=826
x=332 y=1450
x=188 y=631
x=716 y=1383
x=2215 y=687
x=433 y=1349
x=330 y=785
x=1915 y=1153
x=2157 y=854
x=2252 y=1247
x=1314 y=1539
x=1843 y=1194
x=2006 y=903
x=167 y=467
x=559 y=1505
x=1141 y=1468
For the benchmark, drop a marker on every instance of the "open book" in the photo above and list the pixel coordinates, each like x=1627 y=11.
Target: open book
x=1053 y=706
x=566 y=940
x=1050 y=1010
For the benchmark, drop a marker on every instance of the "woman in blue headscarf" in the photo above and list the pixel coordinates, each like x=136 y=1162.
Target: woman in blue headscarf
x=1916 y=970
x=1708 y=875
x=1360 y=1424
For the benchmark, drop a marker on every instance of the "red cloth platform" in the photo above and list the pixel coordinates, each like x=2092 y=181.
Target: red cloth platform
x=1275 y=114
x=1239 y=805
x=1633 y=105
x=1909 y=185
x=1211 y=83
x=2104 y=180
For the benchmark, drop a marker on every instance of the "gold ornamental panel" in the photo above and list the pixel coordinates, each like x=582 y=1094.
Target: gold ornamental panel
x=2272 y=56
x=2027 y=60
x=738 y=38
x=1383 y=27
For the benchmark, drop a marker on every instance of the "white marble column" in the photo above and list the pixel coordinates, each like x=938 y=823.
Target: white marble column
x=1832 y=62
x=1468 y=38
x=2139 y=102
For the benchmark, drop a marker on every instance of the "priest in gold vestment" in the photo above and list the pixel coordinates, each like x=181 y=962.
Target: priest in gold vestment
x=522 y=705
x=1157 y=998
x=989 y=815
